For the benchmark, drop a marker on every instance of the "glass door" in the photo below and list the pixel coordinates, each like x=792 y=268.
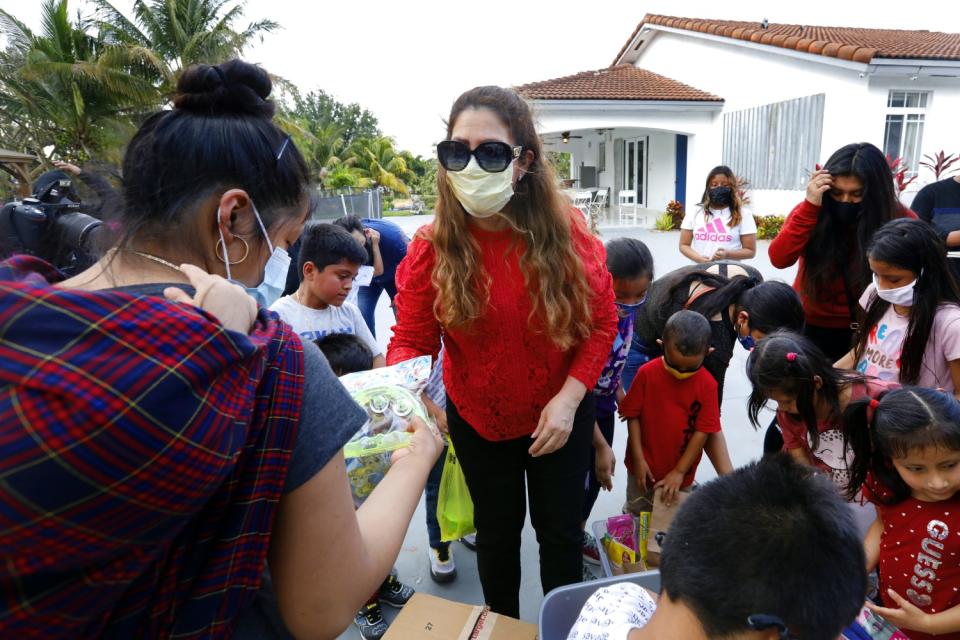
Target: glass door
x=635 y=168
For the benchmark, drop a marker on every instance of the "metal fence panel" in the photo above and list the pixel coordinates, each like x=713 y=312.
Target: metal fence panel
x=775 y=146
x=330 y=205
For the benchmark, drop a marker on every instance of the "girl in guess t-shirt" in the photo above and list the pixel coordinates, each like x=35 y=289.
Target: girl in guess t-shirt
x=906 y=458
x=911 y=332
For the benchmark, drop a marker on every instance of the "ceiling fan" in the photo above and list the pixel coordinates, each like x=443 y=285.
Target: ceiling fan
x=565 y=137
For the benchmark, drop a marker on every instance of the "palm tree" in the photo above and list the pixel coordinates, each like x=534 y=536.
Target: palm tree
x=182 y=32
x=378 y=159
x=65 y=87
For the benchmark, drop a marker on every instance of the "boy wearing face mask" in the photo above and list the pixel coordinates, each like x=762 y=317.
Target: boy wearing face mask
x=719 y=228
x=670 y=409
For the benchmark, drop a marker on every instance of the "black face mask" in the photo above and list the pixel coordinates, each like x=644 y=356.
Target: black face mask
x=846 y=212
x=721 y=195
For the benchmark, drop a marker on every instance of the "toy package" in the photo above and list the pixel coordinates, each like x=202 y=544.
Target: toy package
x=391 y=398
x=870 y=626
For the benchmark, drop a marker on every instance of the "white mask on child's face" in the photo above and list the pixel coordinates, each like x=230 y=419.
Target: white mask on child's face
x=901 y=296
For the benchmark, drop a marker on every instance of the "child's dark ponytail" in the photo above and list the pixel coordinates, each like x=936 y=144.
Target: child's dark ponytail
x=898 y=422
x=858 y=439
x=791 y=364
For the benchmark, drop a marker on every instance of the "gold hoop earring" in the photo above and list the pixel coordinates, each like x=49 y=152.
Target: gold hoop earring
x=246 y=250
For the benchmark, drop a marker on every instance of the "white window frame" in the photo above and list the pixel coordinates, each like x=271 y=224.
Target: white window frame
x=910 y=141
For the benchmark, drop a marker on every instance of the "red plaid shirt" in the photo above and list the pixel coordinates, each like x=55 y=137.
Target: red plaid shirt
x=145 y=450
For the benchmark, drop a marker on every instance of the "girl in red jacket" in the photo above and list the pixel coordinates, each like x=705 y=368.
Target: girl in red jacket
x=847 y=201
x=510 y=276
x=906 y=458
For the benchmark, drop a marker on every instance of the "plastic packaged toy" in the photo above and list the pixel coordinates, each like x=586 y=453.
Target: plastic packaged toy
x=391 y=398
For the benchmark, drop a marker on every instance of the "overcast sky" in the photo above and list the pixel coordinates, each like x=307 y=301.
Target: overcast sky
x=406 y=61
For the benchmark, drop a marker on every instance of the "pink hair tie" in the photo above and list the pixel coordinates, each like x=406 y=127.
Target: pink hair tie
x=792 y=356
x=872 y=409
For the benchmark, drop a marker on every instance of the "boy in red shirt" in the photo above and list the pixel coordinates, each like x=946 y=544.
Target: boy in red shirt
x=670 y=408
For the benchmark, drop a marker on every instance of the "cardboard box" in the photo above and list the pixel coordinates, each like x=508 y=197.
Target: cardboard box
x=427 y=617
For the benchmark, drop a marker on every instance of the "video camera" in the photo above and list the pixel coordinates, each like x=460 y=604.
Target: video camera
x=51 y=226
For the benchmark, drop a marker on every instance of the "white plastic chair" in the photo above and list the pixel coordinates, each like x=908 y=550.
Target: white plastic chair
x=627 y=206
x=599 y=203
x=582 y=201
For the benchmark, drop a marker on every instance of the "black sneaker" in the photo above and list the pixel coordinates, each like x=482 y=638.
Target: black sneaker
x=395 y=593
x=370 y=622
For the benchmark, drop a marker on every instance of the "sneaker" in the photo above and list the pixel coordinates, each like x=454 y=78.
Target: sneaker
x=442 y=567
x=469 y=541
x=588 y=573
x=591 y=553
x=395 y=593
x=370 y=622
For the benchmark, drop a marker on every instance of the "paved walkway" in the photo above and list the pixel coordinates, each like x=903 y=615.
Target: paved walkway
x=745 y=444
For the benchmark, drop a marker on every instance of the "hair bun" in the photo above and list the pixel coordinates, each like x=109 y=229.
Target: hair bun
x=234 y=87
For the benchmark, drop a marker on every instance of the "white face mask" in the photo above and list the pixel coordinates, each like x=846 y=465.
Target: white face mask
x=901 y=296
x=274 y=273
x=481 y=193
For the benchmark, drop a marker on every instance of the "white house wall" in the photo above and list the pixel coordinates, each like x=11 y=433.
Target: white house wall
x=854 y=109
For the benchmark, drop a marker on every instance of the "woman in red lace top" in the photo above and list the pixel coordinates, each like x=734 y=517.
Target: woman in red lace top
x=510 y=277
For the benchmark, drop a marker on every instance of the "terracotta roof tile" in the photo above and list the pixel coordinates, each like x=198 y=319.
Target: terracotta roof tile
x=620 y=82
x=847 y=43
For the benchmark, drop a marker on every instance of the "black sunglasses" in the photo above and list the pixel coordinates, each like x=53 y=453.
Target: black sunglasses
x=493 y=157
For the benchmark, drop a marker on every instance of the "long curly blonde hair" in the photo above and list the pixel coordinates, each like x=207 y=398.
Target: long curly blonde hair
x=552 y=268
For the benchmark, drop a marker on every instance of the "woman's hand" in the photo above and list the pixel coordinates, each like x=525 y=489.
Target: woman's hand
x=372 y=234
x=605 y=466
x=556 y=423
x=820 y=182
x=434 y=411
x=229 y=303
x=719 y=254
x=426 y=444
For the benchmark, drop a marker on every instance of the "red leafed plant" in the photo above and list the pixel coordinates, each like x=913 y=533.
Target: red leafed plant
x=940 y=163
x=899 y=170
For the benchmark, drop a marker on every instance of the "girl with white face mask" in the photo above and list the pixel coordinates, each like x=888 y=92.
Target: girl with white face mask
x=510 y=276
x=911 y=328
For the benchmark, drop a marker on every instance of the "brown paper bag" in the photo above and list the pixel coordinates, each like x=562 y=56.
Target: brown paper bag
x=660 y=521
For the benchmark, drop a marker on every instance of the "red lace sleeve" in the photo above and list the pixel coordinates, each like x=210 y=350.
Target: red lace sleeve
x=417 y=331
x=592 y=354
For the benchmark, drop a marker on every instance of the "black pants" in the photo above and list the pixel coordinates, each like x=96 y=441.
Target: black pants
x=593 y=486
x=835 y=343
x=496 y=473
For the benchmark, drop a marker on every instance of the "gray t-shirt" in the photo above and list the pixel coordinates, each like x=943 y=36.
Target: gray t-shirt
x=328 y=419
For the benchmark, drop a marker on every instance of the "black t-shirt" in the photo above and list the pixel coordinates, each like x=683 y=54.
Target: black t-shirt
x=939 y=204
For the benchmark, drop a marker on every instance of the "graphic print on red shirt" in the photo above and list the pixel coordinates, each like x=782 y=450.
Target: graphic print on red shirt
x=670 y=412
x=919 y=558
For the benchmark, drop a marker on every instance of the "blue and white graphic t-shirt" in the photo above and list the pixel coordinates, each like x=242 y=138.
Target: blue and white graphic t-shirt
x=312 y=324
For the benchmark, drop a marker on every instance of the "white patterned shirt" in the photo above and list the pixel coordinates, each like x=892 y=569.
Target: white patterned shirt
x=612 y=612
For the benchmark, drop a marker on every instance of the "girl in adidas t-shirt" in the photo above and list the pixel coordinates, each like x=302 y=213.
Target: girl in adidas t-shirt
x=719 y=228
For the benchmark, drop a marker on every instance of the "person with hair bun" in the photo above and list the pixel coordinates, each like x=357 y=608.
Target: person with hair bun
x=516 y=285
x=156 y=454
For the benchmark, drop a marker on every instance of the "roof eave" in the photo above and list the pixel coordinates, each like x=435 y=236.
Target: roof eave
x=627 y=105
x=790 y=53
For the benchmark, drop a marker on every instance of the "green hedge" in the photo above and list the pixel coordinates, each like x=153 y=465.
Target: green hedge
x=769 y=226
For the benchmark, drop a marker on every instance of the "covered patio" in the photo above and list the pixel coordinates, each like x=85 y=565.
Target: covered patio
x=631 y=134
